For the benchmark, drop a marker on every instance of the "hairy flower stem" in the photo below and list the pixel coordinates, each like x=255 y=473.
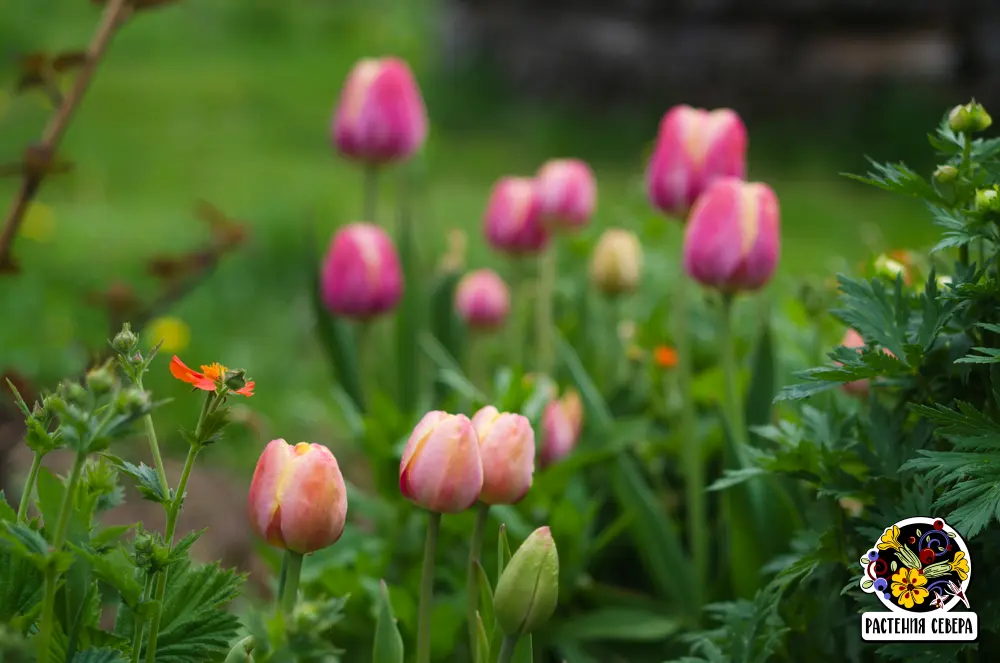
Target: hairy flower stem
x=46 y=619
x=694 y=475
x=29 y=486
x=427 y=589
x=507 y=648
x=290 y=590
x=472 y=578
x=154 y=448
x=140 y=622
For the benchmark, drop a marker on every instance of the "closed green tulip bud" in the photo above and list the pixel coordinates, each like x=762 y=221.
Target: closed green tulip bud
x=988 y=200
x=969 y=118
x=528 y=589
x=945 y=174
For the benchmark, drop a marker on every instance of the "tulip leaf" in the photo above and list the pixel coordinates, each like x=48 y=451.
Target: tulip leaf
x=444 y=326
x=482 y=641
x=503 y=551
x=763 y=380
x=408 y=317
x=620 y=625
x=597 y=409
x=524 y=651
x=655 y=534
x=485 y=600
x=388 y=646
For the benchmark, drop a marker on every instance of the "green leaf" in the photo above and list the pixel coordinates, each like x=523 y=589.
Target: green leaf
x=25 y=542
x=654 y=534
x=7 y=512
x=449 y=371
x=101 y=655
x=503 y=550
x=485 y=599
x=147 y=480
x=763 y=380
x=482 y=641
x=735 y=477
x=21 y=584
x=899 y=178
x=524 y=651
x=877 y=314
x=181 y=549
x=797 y=392
x=597 y=412
x=388 y=646
x=109 y=535
x=116 y=569
x=408 y=316
x=618 y=625
x=444 y=325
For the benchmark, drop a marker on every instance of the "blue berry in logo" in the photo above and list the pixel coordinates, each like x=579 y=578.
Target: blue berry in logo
x=880 y=585
x=888 y=596
x=872 y=555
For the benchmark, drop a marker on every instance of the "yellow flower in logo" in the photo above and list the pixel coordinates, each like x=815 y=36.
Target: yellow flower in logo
x=890 y=539
x=960 y=565
x=908 y=587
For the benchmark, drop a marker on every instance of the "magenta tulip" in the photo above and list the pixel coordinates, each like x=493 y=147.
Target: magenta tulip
x=361 y=276
x=567 y=193
x=513 y=222
x=482 y=299
x=380 y=117
x=732 y=238
x=693 y=148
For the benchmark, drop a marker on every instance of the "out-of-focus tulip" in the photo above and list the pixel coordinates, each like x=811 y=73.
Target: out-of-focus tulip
x=381 y=116
x=361 y=276
x=441 y=469
x=693 y=148
x=616 y=264
x=567 y=192
x=528 y=589
x=482 y=299
x=298 y=500
x=562 y=422
x=507 y=448
x=732 y=239
x=852 y=339
x=513 y=222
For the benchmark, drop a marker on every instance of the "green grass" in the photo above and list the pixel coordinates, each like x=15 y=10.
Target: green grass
x=207 y=100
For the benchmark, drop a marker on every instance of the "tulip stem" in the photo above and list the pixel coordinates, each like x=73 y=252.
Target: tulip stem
x=371 y=192
x=47 y=619
x=694 y=477
x=290 y=591
x=472 y=581
x=732 y=407
x=547 y=265
x=29 y=486
x=507 y=648
x=427 y=589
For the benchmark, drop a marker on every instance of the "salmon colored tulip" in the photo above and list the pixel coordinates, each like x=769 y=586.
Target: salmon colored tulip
x=482 y=299
x=567 y=192
x=562 y=422
x=507 y=449
x=513 y=223
x=732 y=238
x=693 y=148
x=441 y=469
x=298 y=500
x=361 y=275
x=381 y=116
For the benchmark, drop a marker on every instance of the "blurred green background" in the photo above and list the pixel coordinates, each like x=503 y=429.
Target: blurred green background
x=231 y=100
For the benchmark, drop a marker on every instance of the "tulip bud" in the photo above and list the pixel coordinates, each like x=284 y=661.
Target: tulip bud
x=441 y=469
x=616 y=264
x=562 y=421
x=507 y=449
x=988 y=200
x=298 y=499
x=361 y=276
x=969 y=118
x=693 y=148
x=567 y=192
x=381 y=115
x=732 y=238
x=513 y=221
x=945 y=174
x=528 y=589
x=482 y=299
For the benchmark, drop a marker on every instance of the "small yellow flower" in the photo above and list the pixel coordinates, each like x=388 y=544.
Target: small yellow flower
x=960 y=565
x=174 y=333
x=890 y=539
x=39 y=223
x=908 y=587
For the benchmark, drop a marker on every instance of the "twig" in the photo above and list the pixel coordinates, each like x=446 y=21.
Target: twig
x=111 y=19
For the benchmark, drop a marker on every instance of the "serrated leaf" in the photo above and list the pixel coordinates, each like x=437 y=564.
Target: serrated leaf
x=148 y=482
x=735 y=477
x=180 y=550
x=21 y=584
x=116 y=569
x=388 y=646
x=901 y=179
x=7 y=513
x=109 y=535
x=25 y=542
x=99 y=655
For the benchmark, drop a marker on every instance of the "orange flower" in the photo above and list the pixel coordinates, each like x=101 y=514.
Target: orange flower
x=665 y=357
x=210 y=379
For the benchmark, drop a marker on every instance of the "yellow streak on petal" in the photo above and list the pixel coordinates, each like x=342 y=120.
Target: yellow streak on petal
x=701 y=129
x=749 y=217
x=301 y=449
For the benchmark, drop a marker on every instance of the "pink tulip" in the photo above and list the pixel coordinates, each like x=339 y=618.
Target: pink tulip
x=732 y=238
x=693 y=148
x=562 y=422
x=567 y=193
x=507 y=448
x=380 y=117
x=441 y=469
x=513 y=222
x=482 y=299
x=361 y=276
x=298 y=500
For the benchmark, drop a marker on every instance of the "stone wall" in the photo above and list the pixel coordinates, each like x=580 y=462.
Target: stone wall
x=747 y=52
